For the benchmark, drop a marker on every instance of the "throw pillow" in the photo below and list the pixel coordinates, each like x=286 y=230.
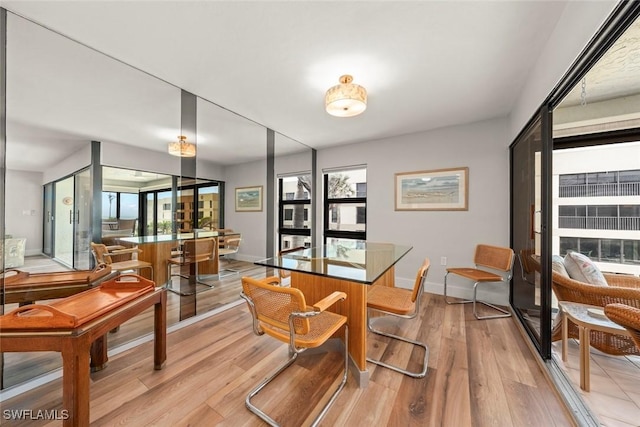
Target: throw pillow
x=581 y=268
x=557 y=265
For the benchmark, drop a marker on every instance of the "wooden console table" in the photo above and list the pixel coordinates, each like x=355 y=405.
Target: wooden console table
x=24 y=288
x=71 y=325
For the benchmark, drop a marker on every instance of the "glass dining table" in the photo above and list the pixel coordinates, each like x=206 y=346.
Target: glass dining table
x=346 y=267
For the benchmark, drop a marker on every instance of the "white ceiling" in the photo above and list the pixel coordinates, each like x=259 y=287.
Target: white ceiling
x=425 y=64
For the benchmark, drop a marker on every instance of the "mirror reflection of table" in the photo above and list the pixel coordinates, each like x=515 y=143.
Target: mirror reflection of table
x=346 y=267
x=157 y=250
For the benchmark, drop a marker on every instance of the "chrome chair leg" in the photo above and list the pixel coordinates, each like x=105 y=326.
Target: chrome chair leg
x=446 y=299
x=420 y=374
x=504 y=312
x=292 y=358
x=169 y=284
x=476 y=301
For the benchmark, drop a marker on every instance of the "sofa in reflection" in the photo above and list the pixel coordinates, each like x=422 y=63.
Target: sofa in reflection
x=13 y=251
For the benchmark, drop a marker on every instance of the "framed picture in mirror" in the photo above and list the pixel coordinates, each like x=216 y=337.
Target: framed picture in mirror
x=249 y=199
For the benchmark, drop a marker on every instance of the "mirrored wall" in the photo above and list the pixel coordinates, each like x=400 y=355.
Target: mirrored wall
x=61 y=96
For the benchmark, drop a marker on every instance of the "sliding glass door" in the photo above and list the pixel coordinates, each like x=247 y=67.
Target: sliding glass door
x=63 y=221
x=530 y=292
x=71 y=220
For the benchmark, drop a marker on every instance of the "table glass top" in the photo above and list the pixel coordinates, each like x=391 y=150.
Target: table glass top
x=361 y=261
x=177 y=237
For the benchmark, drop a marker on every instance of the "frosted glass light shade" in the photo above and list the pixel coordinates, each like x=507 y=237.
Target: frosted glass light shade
x=346 y=99
x=182 y=148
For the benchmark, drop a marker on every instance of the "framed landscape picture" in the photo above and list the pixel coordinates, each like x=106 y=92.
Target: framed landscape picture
x=435 y=190
x=249 y=199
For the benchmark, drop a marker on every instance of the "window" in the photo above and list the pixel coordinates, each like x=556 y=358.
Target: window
x=294 y=219
x=361 y=215
x=116 y=205
x=345 y=205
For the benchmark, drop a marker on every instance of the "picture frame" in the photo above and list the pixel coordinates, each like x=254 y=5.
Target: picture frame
x=432 y=190
x=249 y=199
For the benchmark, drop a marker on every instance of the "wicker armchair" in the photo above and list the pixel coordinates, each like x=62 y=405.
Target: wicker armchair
x=622 y=289
x=627 y=317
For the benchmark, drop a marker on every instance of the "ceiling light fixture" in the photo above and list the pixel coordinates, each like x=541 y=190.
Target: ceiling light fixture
x=182 y=148
x=346 y=99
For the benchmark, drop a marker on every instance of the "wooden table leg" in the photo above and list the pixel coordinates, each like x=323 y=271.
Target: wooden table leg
x=75 y=380
x=160 y=332
x=584 y=357
x=99 y=357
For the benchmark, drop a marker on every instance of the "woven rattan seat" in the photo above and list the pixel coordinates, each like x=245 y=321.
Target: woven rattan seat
x=487 y=257
x=282 y=313
x=403 y=303
x=627 y=317
x=391 y=300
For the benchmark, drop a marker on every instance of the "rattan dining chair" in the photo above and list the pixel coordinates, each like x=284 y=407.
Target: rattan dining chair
x=231 y=247
x=192 y=251
x=487 y=257
x=103 y=254
x=626 y=316
x=282 y=313
x=403 y=303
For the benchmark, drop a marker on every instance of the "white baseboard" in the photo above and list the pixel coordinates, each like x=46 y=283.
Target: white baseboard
x=493 y=293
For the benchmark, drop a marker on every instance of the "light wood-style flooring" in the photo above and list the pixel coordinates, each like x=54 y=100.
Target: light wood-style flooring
x=481 y=373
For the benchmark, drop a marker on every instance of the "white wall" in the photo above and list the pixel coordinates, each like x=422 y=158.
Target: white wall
x=128 y=157
x=23 y=208
x=575 y=28
x=79 y=160
x=483 y=148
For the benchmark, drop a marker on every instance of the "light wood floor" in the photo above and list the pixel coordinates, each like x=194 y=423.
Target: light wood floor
x=481 y=373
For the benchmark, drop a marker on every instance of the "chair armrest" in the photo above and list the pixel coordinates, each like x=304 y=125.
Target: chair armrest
x=328 y=301
x=623 y=280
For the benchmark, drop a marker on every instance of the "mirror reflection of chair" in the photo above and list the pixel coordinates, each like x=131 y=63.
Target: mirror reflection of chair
x=231 y=247
x=403 y=303
x=192 y=252
x=102 y=254
x=282 y=313
x=285 y=275
x=486 y=258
